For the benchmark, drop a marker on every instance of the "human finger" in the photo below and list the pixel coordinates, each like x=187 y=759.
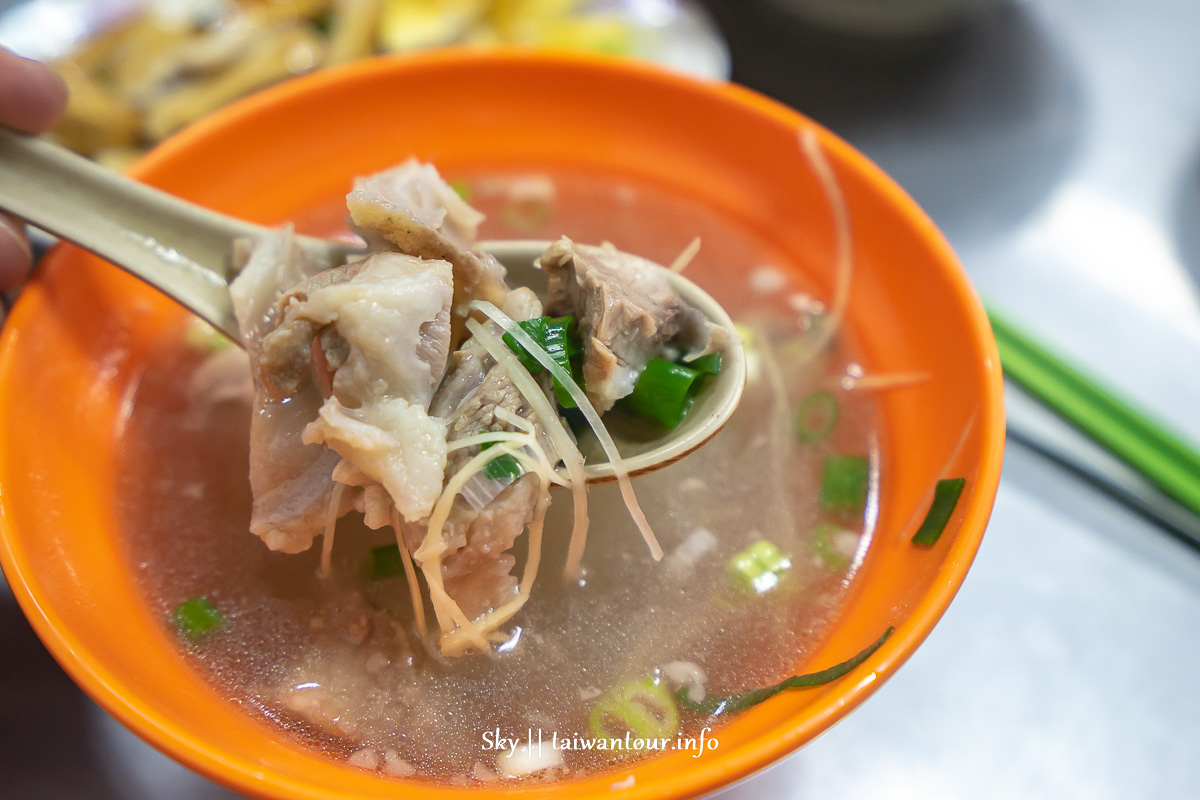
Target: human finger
x=32 y=96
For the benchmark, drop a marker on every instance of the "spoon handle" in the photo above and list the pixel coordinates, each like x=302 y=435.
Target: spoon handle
x=180 y=248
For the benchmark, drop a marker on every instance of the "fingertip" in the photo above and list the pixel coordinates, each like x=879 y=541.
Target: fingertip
x=32 y=95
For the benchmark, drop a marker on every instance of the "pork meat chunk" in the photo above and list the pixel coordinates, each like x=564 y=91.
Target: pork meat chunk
x=291 y=480
x=414 y=210
x=626 y=312
x=488 y=515
x=377 y=334
x=478 y=574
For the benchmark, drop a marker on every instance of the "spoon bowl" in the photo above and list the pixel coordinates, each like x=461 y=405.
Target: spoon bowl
x=654 y=447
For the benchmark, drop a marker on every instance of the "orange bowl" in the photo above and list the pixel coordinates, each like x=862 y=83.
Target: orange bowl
x=72 y=350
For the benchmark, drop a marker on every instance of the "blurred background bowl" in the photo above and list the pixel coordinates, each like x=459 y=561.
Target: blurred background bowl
x=888 y=20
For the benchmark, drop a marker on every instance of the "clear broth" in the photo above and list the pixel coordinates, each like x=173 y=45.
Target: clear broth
x=335 y=662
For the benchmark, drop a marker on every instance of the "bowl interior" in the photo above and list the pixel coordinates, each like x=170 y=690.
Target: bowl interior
x=72 y=351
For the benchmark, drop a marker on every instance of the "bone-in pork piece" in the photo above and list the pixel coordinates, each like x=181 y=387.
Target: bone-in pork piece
x=625 y=309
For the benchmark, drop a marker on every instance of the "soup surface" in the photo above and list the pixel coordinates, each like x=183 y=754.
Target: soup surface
x=335 y=661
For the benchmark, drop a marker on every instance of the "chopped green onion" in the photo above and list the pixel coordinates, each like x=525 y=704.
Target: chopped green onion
x=643 y=708
x=715 y=705
x=575 y=367
x=534 y=327
x=196 y=617
x=501 y=468
x=709 y=364
x=204 y=337
x=816 y=417
x=825 y=542
x=945 y=498
x=759 y=567
x=558 y=337
x=844 y=484
x=665 y=391
x=386 y=562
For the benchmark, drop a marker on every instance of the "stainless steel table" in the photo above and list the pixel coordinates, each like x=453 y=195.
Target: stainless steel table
x=1057 y=143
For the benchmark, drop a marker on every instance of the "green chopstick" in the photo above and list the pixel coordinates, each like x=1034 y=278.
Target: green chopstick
x=1163 y=457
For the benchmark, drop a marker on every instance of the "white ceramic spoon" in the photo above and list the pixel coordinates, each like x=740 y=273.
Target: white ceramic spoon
x=186 y=251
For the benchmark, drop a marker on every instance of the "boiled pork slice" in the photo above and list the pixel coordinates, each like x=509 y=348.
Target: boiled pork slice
x=291 y=480
x=377 y=335
x=411 y=208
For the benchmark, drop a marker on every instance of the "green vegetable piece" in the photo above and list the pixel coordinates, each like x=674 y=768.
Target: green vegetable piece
x=503 y=468
x=709 y=364
x=204 y=337
x=759 y=567
x=715 y=705
x=827 y=550
x=816 y=417
x=945 y=498
x=844 y=484
x=196 y=617
x=571 y=339
x=575 y=367
x=558 y=337
x=665 y=391
x=386 y=562
x=643 y=708
x=536 y=329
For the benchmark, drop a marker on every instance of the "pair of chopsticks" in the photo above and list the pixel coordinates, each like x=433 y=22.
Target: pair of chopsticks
x=1163 y=457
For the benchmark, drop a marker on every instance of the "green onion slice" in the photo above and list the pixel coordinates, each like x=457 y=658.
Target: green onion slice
x=558 y=337
x=715 y=706
x=709 y=364
x=759 y=567
x=503 y=467
x=844 y=484
x=945 y=498
x=665 y=391
x=196 y=617
x=644 y=708
x=385 y=562
x=816 y=417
